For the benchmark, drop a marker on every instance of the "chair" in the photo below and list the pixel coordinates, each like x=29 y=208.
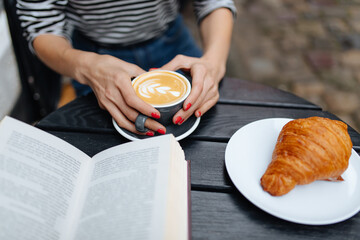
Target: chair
x=40 y=85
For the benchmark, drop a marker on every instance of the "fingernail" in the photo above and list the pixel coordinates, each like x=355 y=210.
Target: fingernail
x=155 y=115
x=177 y=119
x=198 y=114
x=150 y=133
x=161 y=131
x=181 y=121
x=152 y=69
x=187 y=106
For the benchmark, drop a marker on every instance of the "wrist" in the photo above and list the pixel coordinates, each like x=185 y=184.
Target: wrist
x=216 y=63
x=80 y=62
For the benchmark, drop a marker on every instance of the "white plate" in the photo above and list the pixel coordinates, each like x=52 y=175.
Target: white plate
x=247 y=156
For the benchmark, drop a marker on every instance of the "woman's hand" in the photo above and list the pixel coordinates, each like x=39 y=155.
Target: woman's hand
x=110 y=79
x=206 y=76
x=207 y=71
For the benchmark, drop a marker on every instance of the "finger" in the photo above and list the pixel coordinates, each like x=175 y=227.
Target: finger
x=131 y=99
x=124 y=86
x=179 y=62
x=136 y=72
x=205 y=107
x=179 y=117
x=132 y=114
x=150 y=124
x=126 y=124
x=100 y=100
x=198 y=79
x=132 y=69
x=120 y=103
x=182 y=115
x=155 y=126
x=136 y=103
x=122 y=121
x=206 y=100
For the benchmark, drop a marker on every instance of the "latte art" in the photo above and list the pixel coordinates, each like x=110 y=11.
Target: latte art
x=160 y=87
x=152 y=89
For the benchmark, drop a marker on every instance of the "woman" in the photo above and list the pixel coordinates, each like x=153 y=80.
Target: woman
x=103 y=44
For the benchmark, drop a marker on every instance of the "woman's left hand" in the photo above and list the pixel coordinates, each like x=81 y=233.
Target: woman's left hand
x=207 y=71
x=206 y=76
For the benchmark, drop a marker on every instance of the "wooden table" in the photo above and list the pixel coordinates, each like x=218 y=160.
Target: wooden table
x=219 y=211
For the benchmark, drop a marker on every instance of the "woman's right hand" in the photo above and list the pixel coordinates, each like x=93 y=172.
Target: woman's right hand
x=110 y=79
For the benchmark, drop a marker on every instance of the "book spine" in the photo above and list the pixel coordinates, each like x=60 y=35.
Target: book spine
x=189 y=197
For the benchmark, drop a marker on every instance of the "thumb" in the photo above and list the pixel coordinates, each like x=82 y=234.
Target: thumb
x=179 y=62
x=135 y=70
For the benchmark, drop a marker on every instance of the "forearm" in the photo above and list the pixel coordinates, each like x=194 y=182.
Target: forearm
x=58 y=54
x=216 y=31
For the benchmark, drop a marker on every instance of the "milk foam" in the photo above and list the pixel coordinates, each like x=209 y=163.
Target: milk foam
x=160 y=88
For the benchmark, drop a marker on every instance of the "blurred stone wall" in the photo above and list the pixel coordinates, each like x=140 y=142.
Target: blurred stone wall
x=310 y=48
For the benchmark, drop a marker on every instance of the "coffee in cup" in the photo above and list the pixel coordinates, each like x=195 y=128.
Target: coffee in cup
x=165 y=90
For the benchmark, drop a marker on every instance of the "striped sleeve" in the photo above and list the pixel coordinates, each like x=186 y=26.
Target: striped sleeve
x=204 y=7
x=42 y=17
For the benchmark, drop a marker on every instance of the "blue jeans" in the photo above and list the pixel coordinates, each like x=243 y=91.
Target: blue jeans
x=150 y=54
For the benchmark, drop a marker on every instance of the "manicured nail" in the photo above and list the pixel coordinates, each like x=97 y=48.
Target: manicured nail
x=181 y=121
x=155 y=115
x=161 y=131
x=150 y=133
x=152 y=69
x=198 y=114
x=187 y=106
x=177 y=119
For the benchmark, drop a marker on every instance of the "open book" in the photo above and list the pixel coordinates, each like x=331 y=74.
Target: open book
x=51 y=190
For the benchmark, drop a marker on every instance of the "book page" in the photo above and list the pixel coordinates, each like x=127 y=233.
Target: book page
x=127 y=195
x=177 y=219
x=38 y=176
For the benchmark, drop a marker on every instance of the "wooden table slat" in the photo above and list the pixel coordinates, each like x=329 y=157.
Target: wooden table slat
x=232 y=216
x=220 y=123
x=234 y=90
x=268 y=104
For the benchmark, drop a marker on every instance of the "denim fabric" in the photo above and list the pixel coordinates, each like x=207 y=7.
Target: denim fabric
x=151 y=54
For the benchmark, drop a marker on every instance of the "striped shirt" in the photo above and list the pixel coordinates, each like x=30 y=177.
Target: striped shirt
x=122 y=22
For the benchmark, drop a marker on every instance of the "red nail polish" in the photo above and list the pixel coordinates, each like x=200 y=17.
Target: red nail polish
x=149 y=133
x=187 y=106
x=177 y=119
x=155 y=115
x=161 y=131
x=152 y=69
x=181 y=121
x=198 y=114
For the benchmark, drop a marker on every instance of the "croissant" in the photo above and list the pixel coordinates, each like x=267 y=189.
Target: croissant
x=307 y=150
